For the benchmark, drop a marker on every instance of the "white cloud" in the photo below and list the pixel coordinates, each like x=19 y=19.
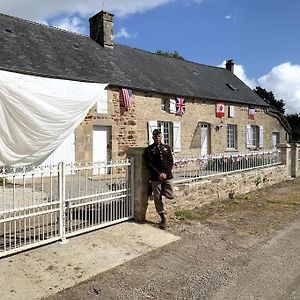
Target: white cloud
x=122 y=33
x=228 y=17
x=241 y=74
x=284 y=81
x=37 y=10
x=70 y=24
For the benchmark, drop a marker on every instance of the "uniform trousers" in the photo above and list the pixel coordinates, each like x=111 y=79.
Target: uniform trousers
x=159 y=189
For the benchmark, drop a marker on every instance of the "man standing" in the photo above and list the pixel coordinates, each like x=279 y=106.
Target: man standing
x=159 y=161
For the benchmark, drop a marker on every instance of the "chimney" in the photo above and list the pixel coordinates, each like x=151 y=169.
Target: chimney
x=230 y=65
x=101 y=29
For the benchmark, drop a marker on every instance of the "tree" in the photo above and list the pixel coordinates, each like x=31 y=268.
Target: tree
x=269 y=97
x=172 y=54
x=294 y=121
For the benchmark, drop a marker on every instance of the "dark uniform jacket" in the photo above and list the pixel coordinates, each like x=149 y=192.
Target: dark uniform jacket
x=159 y=159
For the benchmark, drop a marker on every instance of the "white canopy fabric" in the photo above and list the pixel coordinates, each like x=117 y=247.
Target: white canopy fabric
x=37 y=114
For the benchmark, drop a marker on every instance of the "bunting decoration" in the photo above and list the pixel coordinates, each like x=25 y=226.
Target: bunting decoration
x=180 y=106
x=220 y=109
x=251 y=112
x=223 y=158
x=126 y=97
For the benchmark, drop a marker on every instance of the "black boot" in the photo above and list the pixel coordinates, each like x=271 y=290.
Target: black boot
x=163 y=222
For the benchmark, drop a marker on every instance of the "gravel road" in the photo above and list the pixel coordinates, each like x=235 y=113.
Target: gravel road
x=212 y=260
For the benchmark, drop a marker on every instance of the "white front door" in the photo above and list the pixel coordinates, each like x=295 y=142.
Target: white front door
x=204 y=139
x=101 y=146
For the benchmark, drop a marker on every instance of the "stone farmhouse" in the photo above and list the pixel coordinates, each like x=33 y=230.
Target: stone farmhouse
x=218 y=112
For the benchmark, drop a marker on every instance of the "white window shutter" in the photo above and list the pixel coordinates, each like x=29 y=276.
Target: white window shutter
x=176 y=137
x=261 y=136
x=161 y=127
x=248 y=136
x=230 y=111
x=151 y=126
x=172 y=106
x=102 y=103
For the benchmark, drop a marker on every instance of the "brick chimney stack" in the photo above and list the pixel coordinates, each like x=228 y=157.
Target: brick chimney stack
x=230 y=65
x=101 y=29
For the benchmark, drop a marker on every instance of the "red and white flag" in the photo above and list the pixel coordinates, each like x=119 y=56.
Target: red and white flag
x=180 y=106
x=251 y=112
x=220 y=109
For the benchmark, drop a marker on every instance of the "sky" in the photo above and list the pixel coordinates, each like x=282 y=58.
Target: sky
x=261 y=36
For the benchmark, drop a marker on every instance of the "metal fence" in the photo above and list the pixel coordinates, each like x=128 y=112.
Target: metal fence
x=40 y=205
x=194 y=168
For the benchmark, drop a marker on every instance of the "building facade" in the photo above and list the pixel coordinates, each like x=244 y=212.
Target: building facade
x=155 y=81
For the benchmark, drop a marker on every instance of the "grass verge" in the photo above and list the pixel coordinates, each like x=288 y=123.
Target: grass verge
x=253 y=213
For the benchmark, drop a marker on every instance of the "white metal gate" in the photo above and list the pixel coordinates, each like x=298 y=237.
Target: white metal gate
x=40 y=205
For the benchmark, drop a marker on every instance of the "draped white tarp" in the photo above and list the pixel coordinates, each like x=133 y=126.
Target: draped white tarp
x=37 y=114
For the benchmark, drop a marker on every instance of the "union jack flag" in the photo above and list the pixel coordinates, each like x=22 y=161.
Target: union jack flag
x=180 y=106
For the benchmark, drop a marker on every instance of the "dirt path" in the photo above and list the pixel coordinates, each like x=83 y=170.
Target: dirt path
x=245 y=248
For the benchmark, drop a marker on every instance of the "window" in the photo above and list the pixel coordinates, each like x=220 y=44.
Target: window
x=275 y=139
x=168 y=105
x=232 y=87
x=231 y=136
x=230 y=111
x=102 y=103
x=171 y=133
x=166 y=129
x=164 y=104
x=254 y=136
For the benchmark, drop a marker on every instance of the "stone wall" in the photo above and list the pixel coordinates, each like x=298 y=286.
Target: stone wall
x=122 y=124
x=129 y=128
x=193 y=195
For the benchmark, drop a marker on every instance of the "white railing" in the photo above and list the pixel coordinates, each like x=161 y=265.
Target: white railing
x=188 y=169
x=39 y=205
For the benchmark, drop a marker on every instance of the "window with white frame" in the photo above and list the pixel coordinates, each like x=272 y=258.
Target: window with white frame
x=275 y=139
x=168 y=105
x=166 y=129
x=254 y=136
x=171 y=133
x=102 y=103
x=231 y=136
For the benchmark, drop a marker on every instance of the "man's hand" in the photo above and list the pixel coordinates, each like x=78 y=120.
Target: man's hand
x=162 y=176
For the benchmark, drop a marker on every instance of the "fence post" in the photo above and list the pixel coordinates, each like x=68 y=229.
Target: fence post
x=285 y=155
x=61 y=199
x=295 y=160
x=140 y=183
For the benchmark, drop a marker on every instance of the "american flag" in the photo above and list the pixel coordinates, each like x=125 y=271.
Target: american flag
x=180 y=106
x=126 y=95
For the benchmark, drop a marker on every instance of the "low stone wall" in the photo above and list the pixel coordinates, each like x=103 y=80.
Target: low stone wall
x=196 y=194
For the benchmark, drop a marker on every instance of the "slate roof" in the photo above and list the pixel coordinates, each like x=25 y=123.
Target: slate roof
x=32 y=48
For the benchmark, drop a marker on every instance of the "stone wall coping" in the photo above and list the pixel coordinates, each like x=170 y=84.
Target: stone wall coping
x=283 y=145
x=297 y=145
x=135 y=150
